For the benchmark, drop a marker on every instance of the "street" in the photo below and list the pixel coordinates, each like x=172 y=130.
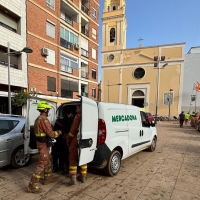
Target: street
x=171 y=172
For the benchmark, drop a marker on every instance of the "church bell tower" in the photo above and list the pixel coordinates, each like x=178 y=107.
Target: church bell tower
x=114 y=25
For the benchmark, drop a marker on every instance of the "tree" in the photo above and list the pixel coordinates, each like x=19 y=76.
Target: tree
x=20 y=97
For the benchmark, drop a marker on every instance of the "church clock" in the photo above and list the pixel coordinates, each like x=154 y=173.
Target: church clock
x=111 y=57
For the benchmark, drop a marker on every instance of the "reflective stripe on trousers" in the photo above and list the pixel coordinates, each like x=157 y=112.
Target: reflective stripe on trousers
x=83 y=170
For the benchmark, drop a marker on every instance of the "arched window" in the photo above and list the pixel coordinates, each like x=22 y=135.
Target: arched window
x=138 y=93
x=108 y=9
x=112 y=35
x=114 y=7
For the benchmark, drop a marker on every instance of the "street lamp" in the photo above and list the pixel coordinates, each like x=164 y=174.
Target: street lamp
x=170 y=102
x=111 y=85
x=157 y=65
x=26 y=50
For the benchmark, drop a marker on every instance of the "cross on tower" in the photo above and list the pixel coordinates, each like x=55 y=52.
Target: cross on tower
x=140 y=41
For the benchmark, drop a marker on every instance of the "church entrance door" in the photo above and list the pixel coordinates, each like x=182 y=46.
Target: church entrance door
x=138 y=98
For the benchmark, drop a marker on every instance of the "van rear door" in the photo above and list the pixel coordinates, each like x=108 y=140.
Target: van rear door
x=88 y=130
x=32 y=113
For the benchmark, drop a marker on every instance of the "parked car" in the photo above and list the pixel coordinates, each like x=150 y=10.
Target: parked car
x=150 y=117
x=12 y=130
x=106 y=131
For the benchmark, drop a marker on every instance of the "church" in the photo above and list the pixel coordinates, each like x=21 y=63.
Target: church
x=139 y=76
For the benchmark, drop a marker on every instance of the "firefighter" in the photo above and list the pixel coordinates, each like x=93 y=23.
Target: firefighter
x=59 y=151
x=43 y=132
x=73 y=151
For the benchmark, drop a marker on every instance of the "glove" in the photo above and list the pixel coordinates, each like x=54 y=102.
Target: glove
x=68 y=140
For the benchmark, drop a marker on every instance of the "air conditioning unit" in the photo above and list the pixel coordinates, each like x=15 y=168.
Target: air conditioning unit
x=76 y=46
x=45 y=52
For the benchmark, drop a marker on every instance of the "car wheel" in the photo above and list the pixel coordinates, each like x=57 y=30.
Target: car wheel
x=153 y=145
x=18 y=158
x=114 y=163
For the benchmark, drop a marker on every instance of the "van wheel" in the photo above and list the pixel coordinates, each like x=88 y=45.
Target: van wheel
x=18 y=158
x=114 y=163
x=153 y=145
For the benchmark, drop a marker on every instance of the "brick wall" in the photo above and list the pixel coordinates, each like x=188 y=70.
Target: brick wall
x=95 y=6
x=91 y=46
x=90 y=67
x=38 y=79
x=76 y=3
x=93 y=25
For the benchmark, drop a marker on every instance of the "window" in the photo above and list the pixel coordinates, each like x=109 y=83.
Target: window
x=4 y=59
x=4 y=127
x=69 y=36
x=94 y=92
x=51 y=57
x=68 y=63
x=51 y=84
x=108 y=9
x=94 y=33
x=112 y=35
x=139 y=73
x=114 y=7
x=93 y=73
x=8 y=22
x=94 y=52
x=68 y=87
x=144 y=119
x=50 y=29
x=94 y=13
x=51 y=4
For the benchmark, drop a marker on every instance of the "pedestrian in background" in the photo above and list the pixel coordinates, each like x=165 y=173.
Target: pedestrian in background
x=187 y=116
x=182 y=119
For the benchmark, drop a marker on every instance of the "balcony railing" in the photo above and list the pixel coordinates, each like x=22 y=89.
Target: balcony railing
x=84 y=53
x=84 y=74
x=67 y=69
x=85 y=31
x=85 y=9
x=84 y=94
x=66 y=44
x=68 y=19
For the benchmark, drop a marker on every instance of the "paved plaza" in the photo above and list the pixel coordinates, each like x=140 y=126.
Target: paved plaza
x=171 y=172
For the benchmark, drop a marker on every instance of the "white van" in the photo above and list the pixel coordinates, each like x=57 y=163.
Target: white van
x=108 y=133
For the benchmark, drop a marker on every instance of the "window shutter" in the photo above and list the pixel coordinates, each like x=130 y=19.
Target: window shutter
x=64 y=84
x=94 y=54
x=50 y=29
x=94 y=33
x=74 y=86
x=51 y=84
x=8 y=20
x=84 y=44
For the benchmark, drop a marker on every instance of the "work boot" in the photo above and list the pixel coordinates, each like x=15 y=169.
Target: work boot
x=82 y=179
x=48 y=180
x=73 y=180
x=34 y=189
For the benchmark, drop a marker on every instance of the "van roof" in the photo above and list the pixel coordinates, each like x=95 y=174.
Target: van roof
x=119 y=104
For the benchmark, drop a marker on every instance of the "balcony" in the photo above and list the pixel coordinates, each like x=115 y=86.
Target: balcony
x=67 y=19
x=66 y=44
x=69 y=15
x=85 y=31
x=84 y=94
x=85 y=9
x=67 y=69
x=84 y=74
x=84 y=53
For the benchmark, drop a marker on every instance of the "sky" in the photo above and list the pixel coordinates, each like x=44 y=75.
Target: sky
x=159 y=22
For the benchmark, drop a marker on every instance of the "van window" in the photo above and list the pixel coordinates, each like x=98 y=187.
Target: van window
x=144 y=119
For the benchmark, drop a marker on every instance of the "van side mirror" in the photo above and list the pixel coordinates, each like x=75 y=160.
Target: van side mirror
x=153 y=124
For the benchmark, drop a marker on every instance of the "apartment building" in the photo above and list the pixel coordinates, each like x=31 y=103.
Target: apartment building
x=12 y=31
x=64 y=37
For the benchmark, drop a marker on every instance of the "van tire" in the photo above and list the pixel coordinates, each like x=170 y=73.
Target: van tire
x=153 y=145
x=114 y=163
x=17 y=158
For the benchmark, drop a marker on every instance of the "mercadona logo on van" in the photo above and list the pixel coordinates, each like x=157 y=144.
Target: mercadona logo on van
x=119 y=118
